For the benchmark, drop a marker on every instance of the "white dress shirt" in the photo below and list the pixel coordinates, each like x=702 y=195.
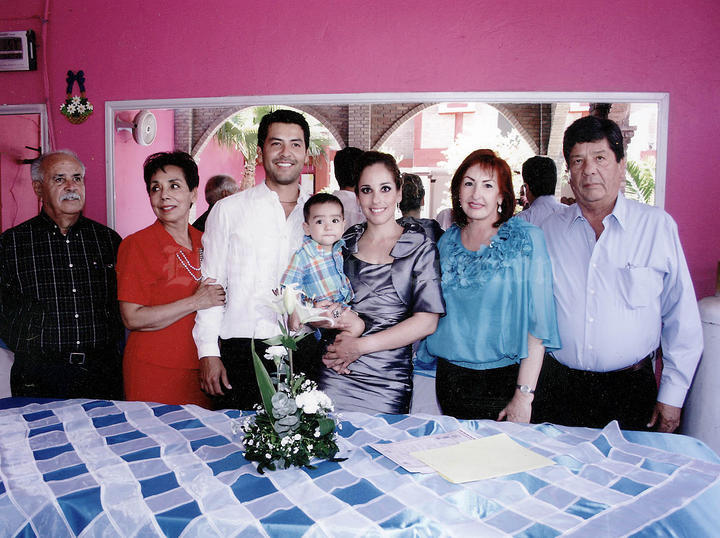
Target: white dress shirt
x=444 y=218
x=621 y=295
x=351 y=208
x=540 y=209
x=247 y=246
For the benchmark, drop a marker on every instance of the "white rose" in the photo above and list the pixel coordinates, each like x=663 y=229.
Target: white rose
x=275 y=351
x=312 y=401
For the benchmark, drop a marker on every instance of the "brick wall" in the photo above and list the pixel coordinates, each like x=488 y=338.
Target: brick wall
x=365 y=126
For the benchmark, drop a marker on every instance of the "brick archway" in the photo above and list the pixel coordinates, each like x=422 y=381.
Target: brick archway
x=503 y=109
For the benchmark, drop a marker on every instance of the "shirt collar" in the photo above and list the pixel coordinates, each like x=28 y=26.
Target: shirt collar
x=45 y=218
x=268 y=192
x=312 y=247
x=412 y=238
x=619 y=212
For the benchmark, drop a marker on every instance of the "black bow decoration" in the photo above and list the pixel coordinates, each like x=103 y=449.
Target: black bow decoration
x=72 y=78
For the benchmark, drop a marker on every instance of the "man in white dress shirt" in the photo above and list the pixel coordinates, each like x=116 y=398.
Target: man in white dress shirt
x=345 y=162
x=622 y=288
x=248 y=240
x=540 y=176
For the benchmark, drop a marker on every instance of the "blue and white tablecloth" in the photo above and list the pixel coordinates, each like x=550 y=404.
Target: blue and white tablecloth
x=92 y=468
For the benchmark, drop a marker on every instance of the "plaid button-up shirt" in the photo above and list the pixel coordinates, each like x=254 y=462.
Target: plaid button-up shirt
x=319 y=272
x=58 y=293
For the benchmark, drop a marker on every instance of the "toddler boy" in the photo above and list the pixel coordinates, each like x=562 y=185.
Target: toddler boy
x=317 y=266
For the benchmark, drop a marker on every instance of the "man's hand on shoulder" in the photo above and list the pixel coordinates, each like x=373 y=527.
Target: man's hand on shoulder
x=213 y=376
x=665 y=417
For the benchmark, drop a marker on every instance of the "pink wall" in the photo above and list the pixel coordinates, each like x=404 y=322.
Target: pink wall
x=216 y=159
x=18 y=201
x=140 y=49
x=132 y=207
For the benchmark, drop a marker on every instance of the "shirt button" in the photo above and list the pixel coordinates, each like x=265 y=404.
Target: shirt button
x=594 y=264
x=592 y=292
x=67 y=240
x=590 y=347
x=77 y=342
x=591 y=320
x=70 y=265
x=74 y=290
x=77 y=316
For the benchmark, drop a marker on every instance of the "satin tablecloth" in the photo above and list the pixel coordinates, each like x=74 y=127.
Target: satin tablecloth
x=92 y=468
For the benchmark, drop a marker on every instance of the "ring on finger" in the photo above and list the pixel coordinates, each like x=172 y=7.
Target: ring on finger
x=336 y=313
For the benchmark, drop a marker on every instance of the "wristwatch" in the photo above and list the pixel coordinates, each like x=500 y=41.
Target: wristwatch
x=525 y=389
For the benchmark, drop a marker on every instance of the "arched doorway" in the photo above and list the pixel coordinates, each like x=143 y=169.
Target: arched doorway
x=432 y=140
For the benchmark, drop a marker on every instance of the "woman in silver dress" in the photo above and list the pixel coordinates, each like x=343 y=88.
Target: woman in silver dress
x=395 y=274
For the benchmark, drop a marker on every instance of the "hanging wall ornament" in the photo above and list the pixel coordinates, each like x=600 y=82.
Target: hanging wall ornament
x=76 y=108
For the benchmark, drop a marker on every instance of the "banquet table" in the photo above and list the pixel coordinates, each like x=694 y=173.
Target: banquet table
x=112 y=468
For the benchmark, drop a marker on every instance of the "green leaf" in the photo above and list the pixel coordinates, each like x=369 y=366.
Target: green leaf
x=300 y=337
x=265 y=384
x=640 y=181
x=289 y=342
x=326 y=425
x=274 y=341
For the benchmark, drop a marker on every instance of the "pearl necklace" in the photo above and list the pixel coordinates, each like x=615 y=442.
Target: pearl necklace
x=180 y=255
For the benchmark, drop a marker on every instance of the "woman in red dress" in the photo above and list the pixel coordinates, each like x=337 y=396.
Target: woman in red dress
x=160 y=287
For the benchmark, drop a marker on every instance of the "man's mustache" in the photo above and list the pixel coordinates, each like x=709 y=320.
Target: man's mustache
x=70 y=196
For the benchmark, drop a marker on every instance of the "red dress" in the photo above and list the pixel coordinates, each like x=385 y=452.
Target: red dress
x=152 y=269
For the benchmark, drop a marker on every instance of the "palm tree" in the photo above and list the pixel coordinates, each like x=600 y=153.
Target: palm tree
x=240 y=132
x=640 y=181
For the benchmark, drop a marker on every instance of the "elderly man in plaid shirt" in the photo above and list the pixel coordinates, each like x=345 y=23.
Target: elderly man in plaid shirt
x=58 y=293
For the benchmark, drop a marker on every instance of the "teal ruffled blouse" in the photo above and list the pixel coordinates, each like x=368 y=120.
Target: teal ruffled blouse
x=494 y=297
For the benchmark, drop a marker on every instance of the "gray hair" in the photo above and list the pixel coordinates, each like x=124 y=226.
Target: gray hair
x=36 y=168
x=217 y=187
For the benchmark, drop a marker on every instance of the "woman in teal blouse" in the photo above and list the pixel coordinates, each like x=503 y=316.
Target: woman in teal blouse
x=497 y=284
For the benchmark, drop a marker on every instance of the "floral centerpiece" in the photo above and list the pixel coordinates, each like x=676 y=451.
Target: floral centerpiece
x=292 y=425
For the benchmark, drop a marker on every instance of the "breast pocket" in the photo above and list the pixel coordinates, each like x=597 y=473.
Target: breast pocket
x=640 y=286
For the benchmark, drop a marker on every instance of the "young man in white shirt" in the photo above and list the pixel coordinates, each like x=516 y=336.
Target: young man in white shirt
x=248 y=240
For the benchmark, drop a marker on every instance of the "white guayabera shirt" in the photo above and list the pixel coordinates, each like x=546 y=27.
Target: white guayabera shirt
x=247 y=246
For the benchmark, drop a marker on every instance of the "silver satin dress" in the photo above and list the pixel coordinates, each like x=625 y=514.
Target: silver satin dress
x=386 y=294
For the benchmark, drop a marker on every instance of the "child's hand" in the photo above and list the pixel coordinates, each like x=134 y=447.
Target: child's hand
x=333 y=311
x=350 y=323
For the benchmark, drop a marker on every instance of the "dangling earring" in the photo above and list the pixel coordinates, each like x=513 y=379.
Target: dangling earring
x=500 y=206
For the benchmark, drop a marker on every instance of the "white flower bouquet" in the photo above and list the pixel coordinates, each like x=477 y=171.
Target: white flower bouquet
x=292 y=426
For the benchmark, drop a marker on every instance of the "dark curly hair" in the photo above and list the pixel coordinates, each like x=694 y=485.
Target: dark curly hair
x=158 y=161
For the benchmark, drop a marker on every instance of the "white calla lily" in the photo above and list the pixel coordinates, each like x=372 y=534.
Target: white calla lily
x=290 y=297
